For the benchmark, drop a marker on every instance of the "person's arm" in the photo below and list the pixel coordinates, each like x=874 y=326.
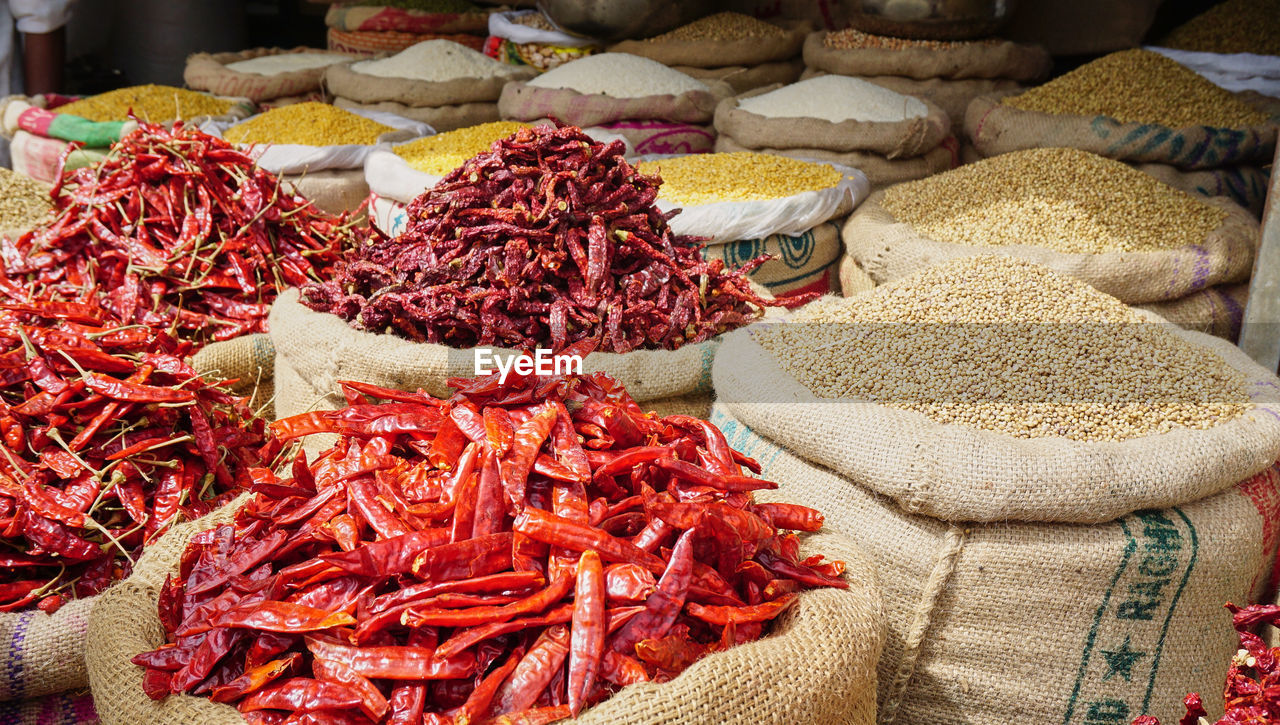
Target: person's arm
x=43 y=56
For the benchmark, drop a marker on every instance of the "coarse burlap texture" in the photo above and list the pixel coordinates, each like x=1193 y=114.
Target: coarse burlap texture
x=904 y=139
x=817 y=664
x=1217 y=311
x=249 y=360
x=407 y=20
x=853 y=280
x=209 y=72
x=1015 y=622
x=799 y=260
x=1003 y=59
x=995 y=128
x=523 y=102
x=880 y=171
x=889 y=249
x=74 y=707
x=1245 y=185
x=333 y=190
x=745 y=78
x=663 y=137
x=346 y=82
x=708 y=53
x=441 y=118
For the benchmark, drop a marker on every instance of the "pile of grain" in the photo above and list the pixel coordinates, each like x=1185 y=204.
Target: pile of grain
x=1234 y=26
x=720 y=27
x=849 y=39
x=741 y=176
x=618 y=75
x=1005 y=345
x=308 y=124
x=276 y=63
x=434 y=60
x=835 y=98
x=153 y=103
x=439 y=154
x=23 y=201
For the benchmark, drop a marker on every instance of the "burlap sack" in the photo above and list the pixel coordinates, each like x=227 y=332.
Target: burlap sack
x=249 y=360
x=895 y=140
x=995 y=59
x=1217 y=311
x=372 y=42
x=745 y=78
x=816 y=666
x=996 y=129
x=799 y=261
x=1245 y=185
x=953 y=97
x=523 y=102
x=441 y=118
x=64 y=708
x=663 y=137
x=888 y=249
x=405 y=20
x=333 y=190
x=341 y=80
x=716 y=53
x=1015 y=622
x=853 y=280
x=41 y=158
x=880 y=171
x=209 y=72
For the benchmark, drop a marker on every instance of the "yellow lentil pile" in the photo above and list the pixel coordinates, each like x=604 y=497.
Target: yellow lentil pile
x=149 y=103
x=1139 y=86
x=1234 y=26
x=739 y=176
x=1006 y=345
x=720 y=27
x=23 y=201
x=308 y=124
x=1062 y=199
x=851 y=39
x=442 y=153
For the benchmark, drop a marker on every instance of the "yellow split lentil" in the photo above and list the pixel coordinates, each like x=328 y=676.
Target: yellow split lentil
x=442 y=153
x=308 y=124
x=23 y=200
x=1234 y=26
x=1007 y=345
x=851 y=39
x=739 y=176
x=1067 y=200
x=722 y=26
x=1139 y=86
x=153 y=103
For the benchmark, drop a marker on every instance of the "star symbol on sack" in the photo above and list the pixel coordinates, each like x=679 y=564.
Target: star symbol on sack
x=1121 y=661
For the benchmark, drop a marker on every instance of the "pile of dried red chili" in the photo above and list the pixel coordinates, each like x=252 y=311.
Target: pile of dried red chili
x=514 y=554
x=1252 y=690
x=109 y=436
x=178 y=231
x=547 y=239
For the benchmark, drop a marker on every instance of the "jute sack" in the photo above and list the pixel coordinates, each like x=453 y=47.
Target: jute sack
x=407 y=20
x=249 y=360
x=1033 y=580
x=889 y=249
x=343 y=81
x=333 y=190
x=64 y=708
x=716 y=53
x=880 y=171
x=996 y=129
x=209 y=72
x=40 y=157
x=1217 y=311
x=817 y=664
x=994 y=59
x=894 y=140
x=523 y=102
x=1245 y=185
x=745 y=78
x=800 y=261
x=663 y=137
x=441 y=118
x=853 y=280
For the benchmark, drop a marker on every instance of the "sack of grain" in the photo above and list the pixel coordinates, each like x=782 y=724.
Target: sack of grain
x=66 y=708
x=332 y=190
x=41 y=158
x=1135 y=106
x=802 y=263
x=434 y=73
x=852 y=52
x=612 y=87
x=853 y=280
x=1098 y=220
x=723 y=39
x=405 y=20
x=662 y=137
x=441 y=118
x=1245 y=185
x=880 y=171
x=376 y=42
x=835 y=113
x=260 y=74
x=747 y=78
x=527 y=37
x=1217 y=311
x=835 y=635
x=1042 y=579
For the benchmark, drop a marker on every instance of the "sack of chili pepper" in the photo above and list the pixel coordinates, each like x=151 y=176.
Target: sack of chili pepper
x=1071 y=557
x=494 y=559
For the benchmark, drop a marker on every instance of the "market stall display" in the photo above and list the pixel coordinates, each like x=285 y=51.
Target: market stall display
x=1013 y=447
x=657 y=109
x=886 y=135
x=267 y=76
x=24 y=202
x=527 y=37
x=439 y=82
x=376 y=28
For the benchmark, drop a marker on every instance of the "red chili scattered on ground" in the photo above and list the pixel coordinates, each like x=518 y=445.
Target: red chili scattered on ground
x=516 y=555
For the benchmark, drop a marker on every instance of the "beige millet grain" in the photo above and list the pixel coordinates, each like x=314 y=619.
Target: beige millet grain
x=722 y=27
x=1234 y=26
x=23 y=201
x=1062 y=199
x=851 y=39
x=1006 y=345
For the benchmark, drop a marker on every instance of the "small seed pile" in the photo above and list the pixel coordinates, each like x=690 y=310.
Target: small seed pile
x=835 y=98
x=740 y=176
x=1234 y=26
x=23 y=201
x=850 y=39
x=722 y=27
x=618 y=75
x=153 y=103
x=1062 y=199
x=1139 y=86
x=270 y=65
x=439 y=154
x=434 y=60
x=308 y=124
x=1006 y=345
